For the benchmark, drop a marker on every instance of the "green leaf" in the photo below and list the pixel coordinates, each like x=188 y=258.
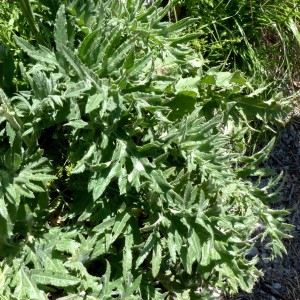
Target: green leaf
x=149 y=244
x=178 y=26
x=104 y=180
x=120 y=224
x=131 y=289
x=27 y=286
x=86 y=50
x=77 y=89
x=95 y=100
x=60 y=33
x=43 y=55
x=3 y=209
x=83 y=71
x=47 y=277
x=106 y=281
x=127 y=255
x=140 y=65
x=123 y=181
x=172 y=247
x=185 y=259
x=182 y=104
x=67 y=245
x=206 y=251
x=74 y=61
x=156 y=259
x=78 y=124
x=188 y=86
x=37 y=176
x=119 y=54
x=105 y=225
x=223 y=79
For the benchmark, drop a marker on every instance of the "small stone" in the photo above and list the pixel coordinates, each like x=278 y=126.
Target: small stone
x=276 y=262
x=276 y=286
x=273 y=298
x=253 y=252
x=297 y=267
x=265 y=258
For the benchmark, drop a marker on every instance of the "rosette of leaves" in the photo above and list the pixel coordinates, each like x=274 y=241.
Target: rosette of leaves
x=155 y=196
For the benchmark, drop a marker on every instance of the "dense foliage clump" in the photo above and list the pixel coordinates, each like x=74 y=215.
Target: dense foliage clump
x=125 y=169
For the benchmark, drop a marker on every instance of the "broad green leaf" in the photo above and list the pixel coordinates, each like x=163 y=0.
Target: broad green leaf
x=194 y=246
x=106 y=281
x=123 y=181
x=67 y=245
x=129 y=292
x=4 y=273
x=47 y=277
x=258 y=91
x=105 y=178
x=238 y=78
x=188 y=195
x=83 y=71
x=77 y=124
x=172 y=247
x=159 y=182
x=88 y=45
x=74 y=61
x=77 y=89
x=27 y=284
x=60 y=33
x=156 y=259
x=127 y=255
x=105 y=225
x=149 y=244
x=120 y=224
x=188 y=86
x=11 y=195
x=109 y=43
x=182 y=104
x=185 y=259
x=35 y=187
x=206 y=250
x=140 y=64
x=37 y=176
x=95 y=100
x=24 y=191
x=43 y=55
x=223 y=79
x=118 y=55
x=3 y=209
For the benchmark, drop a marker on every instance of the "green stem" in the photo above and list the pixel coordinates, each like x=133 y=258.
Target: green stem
x=26 y=9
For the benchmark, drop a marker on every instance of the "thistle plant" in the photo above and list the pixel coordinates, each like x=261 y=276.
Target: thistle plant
x=126 y=174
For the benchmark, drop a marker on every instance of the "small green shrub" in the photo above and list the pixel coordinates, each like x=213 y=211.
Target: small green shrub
x=123 y=169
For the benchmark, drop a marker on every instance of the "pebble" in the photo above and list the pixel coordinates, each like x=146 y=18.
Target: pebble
x=276 y=262
x=276 y=286
x=265 y=259
x=253 y=252
x=297 y=266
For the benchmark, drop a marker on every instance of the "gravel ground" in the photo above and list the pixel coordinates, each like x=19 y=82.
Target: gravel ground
x=281 y=280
